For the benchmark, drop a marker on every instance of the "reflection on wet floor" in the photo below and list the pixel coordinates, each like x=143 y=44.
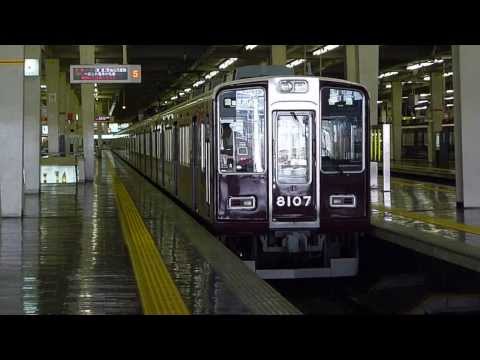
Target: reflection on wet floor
x=433 y=200
x=202 y=289
x=67 y=256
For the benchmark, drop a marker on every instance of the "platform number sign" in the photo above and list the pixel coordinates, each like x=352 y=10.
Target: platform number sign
x=105 y=74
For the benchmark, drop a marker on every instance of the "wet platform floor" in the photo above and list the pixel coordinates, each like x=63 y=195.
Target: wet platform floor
x=430 y=209
x=68 y=256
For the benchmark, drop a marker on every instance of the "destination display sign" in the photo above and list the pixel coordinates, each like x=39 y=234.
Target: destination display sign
x=105 y=74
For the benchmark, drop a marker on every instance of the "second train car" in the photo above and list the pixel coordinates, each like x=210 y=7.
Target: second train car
x=276 y=165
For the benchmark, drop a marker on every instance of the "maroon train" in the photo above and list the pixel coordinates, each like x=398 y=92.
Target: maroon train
x=274 y=163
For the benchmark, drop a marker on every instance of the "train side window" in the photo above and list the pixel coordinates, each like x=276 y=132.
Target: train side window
x=241 y=130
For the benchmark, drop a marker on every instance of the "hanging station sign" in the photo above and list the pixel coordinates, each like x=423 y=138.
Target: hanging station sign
x=105 y=74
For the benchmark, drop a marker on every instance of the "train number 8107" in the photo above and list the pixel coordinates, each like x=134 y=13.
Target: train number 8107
x=290 y=201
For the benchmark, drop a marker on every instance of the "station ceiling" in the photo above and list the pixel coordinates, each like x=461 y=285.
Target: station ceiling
x=166 y=69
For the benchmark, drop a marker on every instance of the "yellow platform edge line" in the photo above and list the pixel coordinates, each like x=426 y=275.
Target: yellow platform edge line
x=442 y=222
x=158 y=292
x=11 y=62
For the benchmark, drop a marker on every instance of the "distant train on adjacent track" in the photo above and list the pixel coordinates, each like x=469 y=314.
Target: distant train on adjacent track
x=275 y=164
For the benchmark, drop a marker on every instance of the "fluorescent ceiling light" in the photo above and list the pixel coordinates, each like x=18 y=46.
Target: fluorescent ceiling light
x=426 y=78
x=421 y=108
x=449 y=105
x=174 y=98
x=250 y=47
x=165 y=102
x=388 y=74
x=124 y=107
x=424 y=64
x=388 y=86
x=295 y=63
x=450 y=91
x=425 y=94
x=325 y=49
x=227 y=63
x=404 y=97
x=43 y=86
x=187 y=90
x=198 y=83
x=211 y=74
x=447 y=74
x=423 y=101
x=450 y=98
x=379 y=101
x=181 y=93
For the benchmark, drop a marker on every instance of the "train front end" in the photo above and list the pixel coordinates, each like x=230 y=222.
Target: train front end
x=292 y=173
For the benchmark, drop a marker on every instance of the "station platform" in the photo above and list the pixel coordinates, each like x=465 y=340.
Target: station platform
x=421 y=169
x=424 y=217
x=84 y=249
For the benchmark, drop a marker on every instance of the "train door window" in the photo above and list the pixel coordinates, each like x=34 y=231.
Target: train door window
x=342 y=144
x=202 y=146
x=293 y=142
x=241 y=130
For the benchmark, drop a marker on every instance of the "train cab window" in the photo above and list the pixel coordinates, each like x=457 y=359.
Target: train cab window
x=342 y=130
x=241 y=130
x=293 y=147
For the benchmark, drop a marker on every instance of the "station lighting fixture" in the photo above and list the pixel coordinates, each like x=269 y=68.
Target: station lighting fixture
x=198 y=83
x=187 y=90
x=450 y=91
x=325 y=49
x=404 y=97
x=379 y=101
x=424 y=64
x=181 y=93
x=425 y=94
x=426 y=78
x=448 y=74
x=450 y=98
x=124 y=107
x=421 y=108
x=423 y=101
x=295 y=63
x=449 y=105
x=95 y=84
x=43 y=86
x=174 y=98
x=388 y=86
x=227 y=63
x=211 y=74
x=250 y=47
x=165 y=102
x=388 y=74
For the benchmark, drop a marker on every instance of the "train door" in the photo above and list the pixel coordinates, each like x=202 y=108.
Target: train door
x=194 y=154
x=293 y=175
x=176 y=152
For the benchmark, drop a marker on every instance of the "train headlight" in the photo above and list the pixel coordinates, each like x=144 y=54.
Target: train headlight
x=300 y=87
x=286 y=86
x=293 y=86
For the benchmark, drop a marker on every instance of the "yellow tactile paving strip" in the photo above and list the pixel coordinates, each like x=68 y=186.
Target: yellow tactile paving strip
x=158 y=293
x=446 y=223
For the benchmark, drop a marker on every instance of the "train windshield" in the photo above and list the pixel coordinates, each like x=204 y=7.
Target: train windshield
x=242 y=130
x=293 y=147
x=342 y=130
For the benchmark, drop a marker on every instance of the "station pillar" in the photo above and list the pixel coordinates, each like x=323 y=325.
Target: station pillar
x=32 y=123
x=87 y=57
x=437 y=112
x=52 y=70
x=466 y=78
x=397 y=119
x=62 y=111
x=279 y=54
x=11 y=130
x=361 y=65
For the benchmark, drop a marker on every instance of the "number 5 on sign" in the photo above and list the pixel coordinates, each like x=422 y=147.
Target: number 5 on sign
x=135 y=74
